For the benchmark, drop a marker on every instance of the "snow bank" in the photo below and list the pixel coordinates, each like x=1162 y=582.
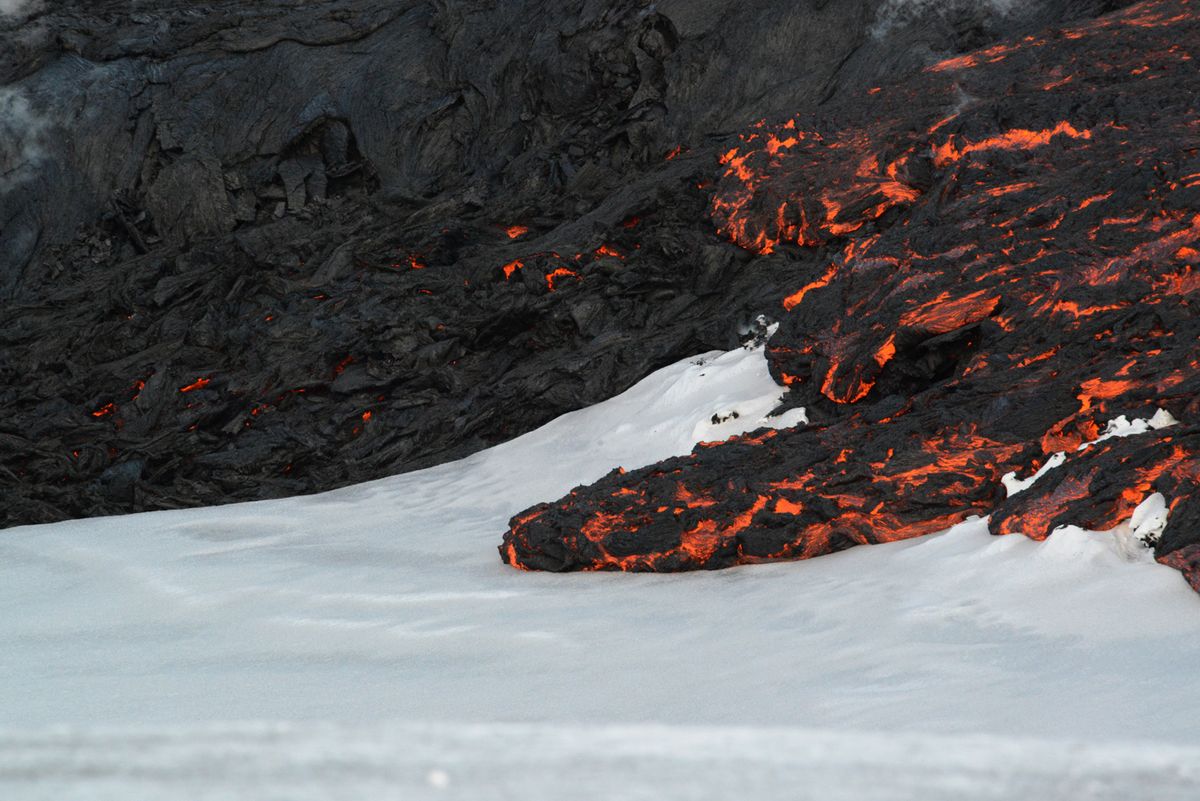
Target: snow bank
x=385 y=605
x=323 y=762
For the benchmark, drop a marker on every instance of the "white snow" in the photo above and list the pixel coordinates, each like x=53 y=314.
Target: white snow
x=1120 y=426
x=1149 y=519
x=524 y=762
x=1015 y=485
x=368 y=643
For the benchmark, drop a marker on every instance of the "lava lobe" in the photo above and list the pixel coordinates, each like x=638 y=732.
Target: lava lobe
x=1009 y=251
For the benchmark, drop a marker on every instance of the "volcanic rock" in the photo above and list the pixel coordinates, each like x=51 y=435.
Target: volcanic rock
x=251 y=250
x=1001 y=254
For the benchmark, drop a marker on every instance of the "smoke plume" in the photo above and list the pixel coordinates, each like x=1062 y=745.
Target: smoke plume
x=18 y=8
x=893 y=13
x=22 y=132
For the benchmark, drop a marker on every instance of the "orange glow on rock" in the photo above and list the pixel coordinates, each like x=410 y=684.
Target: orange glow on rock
x=1016 y=139
x=964 y=295
x=105 y=410
x=785 y=507
x=199 y=383
x=796 y=298
x=945 y=313
x=559 y=273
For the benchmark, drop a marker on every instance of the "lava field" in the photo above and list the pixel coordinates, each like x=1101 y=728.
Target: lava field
x=1012 y=241
x=250 y=251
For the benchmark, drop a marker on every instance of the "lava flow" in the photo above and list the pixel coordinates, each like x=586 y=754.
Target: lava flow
x=994 y=277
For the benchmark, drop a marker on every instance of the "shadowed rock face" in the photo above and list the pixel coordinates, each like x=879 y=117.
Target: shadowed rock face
x=1009 y=251
x=260 y=249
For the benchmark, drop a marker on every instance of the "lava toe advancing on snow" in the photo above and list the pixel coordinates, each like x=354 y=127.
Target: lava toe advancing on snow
x=1010 y=251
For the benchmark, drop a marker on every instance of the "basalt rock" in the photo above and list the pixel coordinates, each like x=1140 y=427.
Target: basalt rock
x=1004 y=257
x=251 y=250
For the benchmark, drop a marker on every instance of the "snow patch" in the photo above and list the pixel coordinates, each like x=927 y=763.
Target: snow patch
x=1149 y=519
x=1124 y=427
x=1131 y=540
x=1013 y=485
x=312 y=761
x=386 y=604
x=730 y=418
x=1120 y=426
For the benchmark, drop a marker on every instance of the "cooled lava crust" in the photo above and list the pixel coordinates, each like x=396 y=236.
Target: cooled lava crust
x=1016 y=234
x=252 y=250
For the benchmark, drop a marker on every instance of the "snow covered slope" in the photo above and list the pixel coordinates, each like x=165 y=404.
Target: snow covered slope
x=369 y=640
x=525 y=762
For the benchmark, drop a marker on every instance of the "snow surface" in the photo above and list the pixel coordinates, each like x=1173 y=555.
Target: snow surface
x=470 y=762
x=368 y=643
x=1120 y=426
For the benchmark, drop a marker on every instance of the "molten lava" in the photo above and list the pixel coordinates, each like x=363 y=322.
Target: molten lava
x=998 y=257
x=558 y=274
x=105 y=410
x=199 y=383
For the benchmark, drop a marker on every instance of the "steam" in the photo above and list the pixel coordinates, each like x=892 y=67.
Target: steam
x=18 y=8
x=22 y=134
x=893 y=13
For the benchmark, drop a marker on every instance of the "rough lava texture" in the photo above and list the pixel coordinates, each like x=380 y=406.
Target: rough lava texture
x=1009 y=254
x=257 y=249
